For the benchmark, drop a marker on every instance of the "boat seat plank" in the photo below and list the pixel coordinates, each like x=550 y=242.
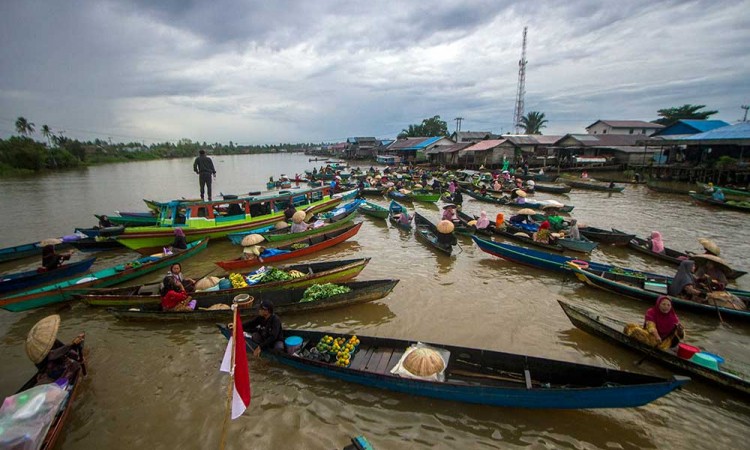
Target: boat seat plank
x=383 y=364
x=392 y=361
x=360 y=358
x=527 y=376
x=377 y=355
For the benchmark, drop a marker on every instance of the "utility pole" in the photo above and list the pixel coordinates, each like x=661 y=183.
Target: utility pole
x=745 y=107
x=458 y=123
x=521 y=92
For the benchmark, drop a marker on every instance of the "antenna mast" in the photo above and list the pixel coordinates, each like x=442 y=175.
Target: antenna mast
x=521 y=93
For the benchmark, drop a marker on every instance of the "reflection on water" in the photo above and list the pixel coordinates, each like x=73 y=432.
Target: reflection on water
x=148 y=380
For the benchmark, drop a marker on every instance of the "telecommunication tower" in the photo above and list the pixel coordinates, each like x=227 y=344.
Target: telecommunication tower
x=521 y=93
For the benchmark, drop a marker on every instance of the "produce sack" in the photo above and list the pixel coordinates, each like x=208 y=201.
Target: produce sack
x=206 y=283
x=26 y=417
x=423 y=362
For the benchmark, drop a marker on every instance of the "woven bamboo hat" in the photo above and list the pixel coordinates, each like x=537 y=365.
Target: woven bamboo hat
x=298 y=217
x=42 y=336
x=252 y=239
x=715 y=259
x=51 y=241
x=445 y=227
x=521 y=193
x=527 y=212
x=710 y=246
x=280 y=225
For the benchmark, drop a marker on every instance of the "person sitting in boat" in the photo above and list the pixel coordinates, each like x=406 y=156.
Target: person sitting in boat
x=683 y=283
x=174 y=297
x=543 y=234
x=524 y=217
x=175 y=270
x=404 y=219
x=449 y=213
x=656 y=243
x=661 y=326
x=483 y=221
x=518 y=196
x=266 y=330
x=52 y=260
x=458 y=198
x=180 y=242
x=451 y=187
x=298 y=227
x=315 y=171
x=718 y=195
x=496 y=185
x=483 y=190
x=104 y=221
x=711 y=272
x=436 y=185
x=709 y=189
x=573 y=232
x=289 y=212
x=611 y=184
x=52 y=358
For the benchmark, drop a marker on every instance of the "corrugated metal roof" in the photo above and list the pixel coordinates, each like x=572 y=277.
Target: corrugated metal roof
x=485 y=145
x=605 y=140
x=448 y=148
x=737 y=131
x=628 y=124
x=705 y=125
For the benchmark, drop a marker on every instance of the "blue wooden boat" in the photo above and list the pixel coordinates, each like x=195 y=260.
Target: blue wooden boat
x=96 y=244
x=101 y=232
x=483 y=376
x=20 y=251
x=396 y=195
x=24 y=280
x=543 y=260
x=395 y=208
x=611 y=329
x=65 y=290
x=236 y=238
x=340 y=212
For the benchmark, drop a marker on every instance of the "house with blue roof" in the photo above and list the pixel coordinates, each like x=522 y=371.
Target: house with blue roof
x=708 y=147
x=412 y=149
x=687 y=127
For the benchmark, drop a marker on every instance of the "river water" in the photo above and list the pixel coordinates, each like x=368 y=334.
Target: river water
x=158 y=386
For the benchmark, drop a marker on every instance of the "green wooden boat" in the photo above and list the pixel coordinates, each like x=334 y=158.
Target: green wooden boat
x=728 y=192
x=424 y=196
x=374 y=210
x=65 y=290
x=148 y=294
x=284 y=235
x=131 y=221
x=728 y=204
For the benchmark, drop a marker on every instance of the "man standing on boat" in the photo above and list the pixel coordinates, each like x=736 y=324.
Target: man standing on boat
x=204 y=167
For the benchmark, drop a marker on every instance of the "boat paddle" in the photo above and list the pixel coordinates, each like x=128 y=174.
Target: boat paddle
x=716 y=305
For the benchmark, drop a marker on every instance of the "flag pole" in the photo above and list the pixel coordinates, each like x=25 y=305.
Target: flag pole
x=231 y=379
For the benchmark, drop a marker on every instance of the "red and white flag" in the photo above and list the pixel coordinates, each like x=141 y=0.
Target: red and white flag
x=241 y=391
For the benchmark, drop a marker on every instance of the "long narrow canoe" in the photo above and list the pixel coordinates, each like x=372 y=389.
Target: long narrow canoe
x=727 y=191
x=484 y=376
x=279 y=236
x=111 y=276
x=96 y=244
x=148 y=294
x=427 y=232
x=395 y=208
x=466 y=219
x=285 y=302
x=609 y=237
x=552 y=189
x=503 y=201
x=611 y=329
x=316 y=243
x=583 y=245
x=634 y=287
x=373 y=210
x=131 y=221
x=28 y=250
x=236 y=238
x=729 y=204
x=669 y=255
x=24 y=280
x=58 y=423
x=590 y=186
x=421 y=195
x=104 y=232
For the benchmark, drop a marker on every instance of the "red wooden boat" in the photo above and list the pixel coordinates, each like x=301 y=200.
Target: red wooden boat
x=316 y=243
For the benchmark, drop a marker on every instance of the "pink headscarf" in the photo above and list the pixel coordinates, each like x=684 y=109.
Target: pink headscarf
x=483 y=222
x=657 y=245
x=665 y=323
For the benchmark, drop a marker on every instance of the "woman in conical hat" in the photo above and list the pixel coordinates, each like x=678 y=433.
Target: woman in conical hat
x=52 y=358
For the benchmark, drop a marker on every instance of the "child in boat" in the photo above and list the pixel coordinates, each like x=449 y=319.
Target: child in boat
x=656 y=243
x=174 y=297
x=176 y=271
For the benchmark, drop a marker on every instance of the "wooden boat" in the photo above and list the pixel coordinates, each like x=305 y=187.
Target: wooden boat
x=525 y=236
x=396 y=195
x=236 y=238
x=351 y=194
x=58 y=423
x=285 y=302
x=591 y=186
x=609 y=237
x=628 y=285
x=25 y=251
x=671 y=256
x=276 y=236
x=485 y=377
x=729 y=204
x=427 y=232
x=343 y=211
x=466 y=219
x=148 y=294
x=373 y=191
x=544 y=260
x=611 y=329
x=131 y=221
x=668 y=187
x=315 y=242
x=395 y=208
x=221 y=217
x=374 y=210
x=96 y=244
x=728 y=192
x=24 y=280
x=508 y=202
x=551 y=189
x=111 y=276
x=421 y=195
x=104 y=232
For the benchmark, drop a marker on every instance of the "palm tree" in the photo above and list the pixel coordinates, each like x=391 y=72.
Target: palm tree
x=533 y=122
x=46 y=132
x=24 y=127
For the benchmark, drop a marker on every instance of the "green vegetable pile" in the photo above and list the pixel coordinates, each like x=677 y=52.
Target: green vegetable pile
x=299 y=245
x=627 y=273
x=274 y=275
x=321 y=291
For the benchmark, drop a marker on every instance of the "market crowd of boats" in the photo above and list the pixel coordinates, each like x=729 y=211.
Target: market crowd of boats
x=300 y=216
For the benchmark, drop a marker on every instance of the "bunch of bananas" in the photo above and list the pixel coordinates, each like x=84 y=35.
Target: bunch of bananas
x=238 y=281
x=296 y=274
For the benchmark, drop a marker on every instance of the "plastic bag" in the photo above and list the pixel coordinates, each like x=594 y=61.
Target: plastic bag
x=26 y=417
x=401 y=371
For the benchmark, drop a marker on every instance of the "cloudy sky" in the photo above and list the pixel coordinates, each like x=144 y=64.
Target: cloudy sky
x=259 y=72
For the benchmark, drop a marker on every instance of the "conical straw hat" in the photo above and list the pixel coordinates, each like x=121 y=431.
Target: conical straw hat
x=520 y=193
x=280 y=225
x=42 y=336
x=51 y=241
x=718 y=261
x=710 y=246
x=527 y=212
x=298 y=217
x=252 y=239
